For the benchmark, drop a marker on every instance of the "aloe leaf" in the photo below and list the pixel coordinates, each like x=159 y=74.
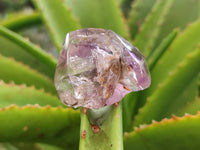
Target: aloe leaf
x=10 y=70
x=36 y=146
x=22 y=95
x=58 y=19
x=125 y=6
x=175 y=54
x=48 y=147
x=165 y=135
x=158 y=103
x=159 y=51
x=138 y=12
x=191 y=108
x=98 y=14
x=109 y=134
x=13 y=45
x=56 y=126
x=179 y=21
x=7 y=146
x=146 y=38
x=21 y=20
x=185 y=43
x=185 y=98
x=129 y=107
x=131 y=103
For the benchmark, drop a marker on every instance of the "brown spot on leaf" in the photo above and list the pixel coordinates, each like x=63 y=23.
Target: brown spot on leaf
x=116 y=104
x=85 y=110
x=95 y=129
x=25 y=128
x=83 y=134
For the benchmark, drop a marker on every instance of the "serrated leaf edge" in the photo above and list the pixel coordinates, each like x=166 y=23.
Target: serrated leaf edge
x=36 y=106
x=12 y=84
x=21 y=64
x=170 y=74
x=163 y=121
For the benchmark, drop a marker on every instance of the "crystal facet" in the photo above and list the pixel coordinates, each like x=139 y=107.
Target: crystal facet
x=97 y=67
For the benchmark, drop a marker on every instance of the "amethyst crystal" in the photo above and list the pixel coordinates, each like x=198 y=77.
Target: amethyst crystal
x=97 y=67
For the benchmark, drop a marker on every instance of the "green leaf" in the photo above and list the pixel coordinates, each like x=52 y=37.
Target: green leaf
x=185 y=43
x=36 y=146
x=49 y=147
x=174 y=134
x=98 y=14
x=159 y=51
x=129 y=107
x=58 y=19
x=22 y=95
x=13 y=45
x=181 y=21
x=125 y=6
x=185 y=98
x=109 y=120
x=146 y=38
x=21 y=20
x=7 y=146
x=131 y=102
x=139 y=10
x=158 y=103
x=10 y=70
x=56 y=126
x=191 y=108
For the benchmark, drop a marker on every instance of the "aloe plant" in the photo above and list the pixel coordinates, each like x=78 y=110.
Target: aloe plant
x=164 y=116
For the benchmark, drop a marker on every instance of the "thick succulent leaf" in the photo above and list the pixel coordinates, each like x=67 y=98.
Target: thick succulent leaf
x=36 y=146
x=173 y=20
x=132 y=101
x=109 y=137
x=49 y=147
x=21 y=20
x=7 y=146
x=13 y=45
x=10 y=70
x=185 y=43
x=125 y=6
x=22 y=95
x=58 y=19
x=165 y=135
x=159 y=51
x=98 y=14
x=191 y=108
x=139 y=10
x=158 y=103
x=185 y=98
x=57 y=126
x=129 y=107
x=145 y=39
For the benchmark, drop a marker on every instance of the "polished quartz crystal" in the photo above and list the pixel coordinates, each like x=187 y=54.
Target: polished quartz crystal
x=97 y=67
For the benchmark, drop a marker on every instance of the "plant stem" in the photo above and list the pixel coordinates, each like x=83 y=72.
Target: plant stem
x=102 y=129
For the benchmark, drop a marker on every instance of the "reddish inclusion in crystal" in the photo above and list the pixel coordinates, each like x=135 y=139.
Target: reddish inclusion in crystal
x=97 y=67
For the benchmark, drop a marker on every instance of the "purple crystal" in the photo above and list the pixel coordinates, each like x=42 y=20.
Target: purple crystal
x=97 y=67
